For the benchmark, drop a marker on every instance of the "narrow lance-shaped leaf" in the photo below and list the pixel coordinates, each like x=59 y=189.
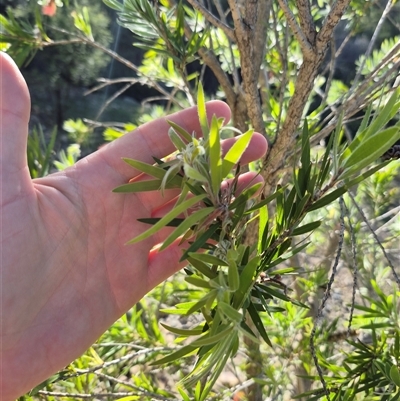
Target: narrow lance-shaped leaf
x=154 y=171
x=327 y=199
x=176 y=140
x=384 y=116
x=206 y=258
x=185 y=225
x=208 y=340
x=235 y=152
x=201 y=107
x=181 y=131
x=258 y=323
x=183 y=332
x=306 y=228
x=231 y=313
x=175 y=355
x=141 y=186
x=202 y=268
x=198 y=282
x=166 y=219
x=215 y=156
x=200 y=241
x=370 y=150
x=246 y=279
x=233 y=275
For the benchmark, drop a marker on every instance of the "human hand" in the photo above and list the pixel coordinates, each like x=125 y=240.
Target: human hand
x=66 y=273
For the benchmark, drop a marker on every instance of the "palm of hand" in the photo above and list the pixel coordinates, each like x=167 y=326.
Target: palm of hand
x=67 y=274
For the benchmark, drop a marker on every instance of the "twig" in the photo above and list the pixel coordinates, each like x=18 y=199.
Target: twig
x=105 y=82
x=325 y=299
x=150 y=81
x=371 y=44
x=306 y=20
x=140 y=391
x=213 y=20
x=329 y=24
x=354 y=266
x=395 y=275
x=112 y=98
x=86 y=396
x=305 y=45
x=79 y=372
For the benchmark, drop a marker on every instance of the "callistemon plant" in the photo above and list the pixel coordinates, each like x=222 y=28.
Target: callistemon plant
x=241 y=281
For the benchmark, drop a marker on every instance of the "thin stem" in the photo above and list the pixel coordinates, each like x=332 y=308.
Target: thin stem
x=213 y=20
x=386 y=11
x=305 y=45
x=395 y=275
x=325 y=298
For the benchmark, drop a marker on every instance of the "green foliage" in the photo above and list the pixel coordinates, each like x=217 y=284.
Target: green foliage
x=25 y=31
x=67 y=158
x=40 y=152
x=231 y=276
x=267 y=291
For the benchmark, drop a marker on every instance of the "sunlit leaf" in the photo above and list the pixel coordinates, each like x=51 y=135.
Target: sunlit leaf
x=215 y=156
x=370 y=149
x=166 y=219
x=190 y=221
x=201 y=108
x=235 y=152
x=206 y=258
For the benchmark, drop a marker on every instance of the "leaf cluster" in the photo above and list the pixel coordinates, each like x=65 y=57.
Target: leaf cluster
x=242 y=281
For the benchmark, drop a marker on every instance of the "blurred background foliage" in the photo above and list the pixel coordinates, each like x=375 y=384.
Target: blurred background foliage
x=90 y=86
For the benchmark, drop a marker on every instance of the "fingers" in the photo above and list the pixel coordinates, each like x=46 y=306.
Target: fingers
x=14 y=118
x=152 y=139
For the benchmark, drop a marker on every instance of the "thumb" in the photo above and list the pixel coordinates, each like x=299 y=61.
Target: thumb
x=14 y=118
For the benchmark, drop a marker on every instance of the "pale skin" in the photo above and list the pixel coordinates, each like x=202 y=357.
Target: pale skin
x=66 y=273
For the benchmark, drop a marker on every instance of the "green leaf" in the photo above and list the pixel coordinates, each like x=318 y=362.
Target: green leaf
x=154 y=220
x=306 y=228
x=176 y=140
x=202 y=267
x=183 y=332
x=262 y=227
x=140 y=186
x=233 y=275
x=247 y=277
x=194 y=174
x=245 y=196
x=184 y=351
x=209 y=340
x=201 y=108
x=267 y=200
x=190 y=221
x=154 y=171
x=370 y=150
x=232 y=314
x=235 y=152
x=383 y=118
x=200 y=241
x=215 y=156
x=166 y=219
x=366 y=174
x=328 y=199
x=180 y=131
x=198 y=282
x=255 y=317
x=208 y=299
x=206 y=258
x=184 y=395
